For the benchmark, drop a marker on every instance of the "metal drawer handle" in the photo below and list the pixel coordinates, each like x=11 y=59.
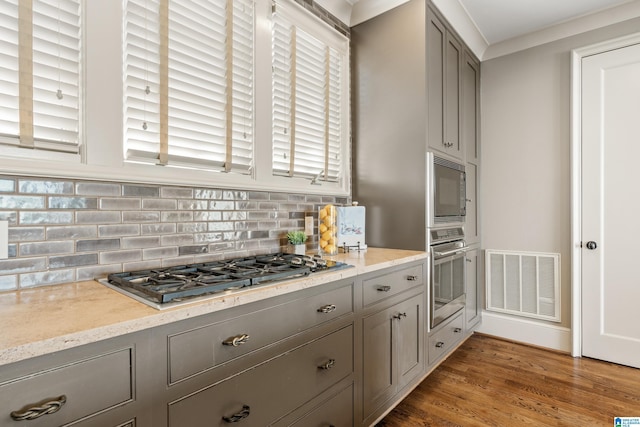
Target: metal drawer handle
x=330 y=364
x=400 y=316
x=384 y=288
x=237 y=340
x=412 y=278
x=457 y=330
x=246 y=411
x=439 y=344
x=44 y=408
x=327 y=308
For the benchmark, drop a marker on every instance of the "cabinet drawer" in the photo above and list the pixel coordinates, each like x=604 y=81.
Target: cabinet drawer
x=270 y=390
x=384 y=286
x=203 y=348
x=88 y=386
x=444 y=339
x=337 y=411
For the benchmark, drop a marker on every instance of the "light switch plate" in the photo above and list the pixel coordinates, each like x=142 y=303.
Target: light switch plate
x=308 y=225
x=4 y=239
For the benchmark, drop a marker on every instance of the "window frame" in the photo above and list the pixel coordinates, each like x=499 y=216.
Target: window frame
x=102 y=148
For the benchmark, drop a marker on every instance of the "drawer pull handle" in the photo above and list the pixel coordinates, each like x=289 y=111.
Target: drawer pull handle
x=400 y=316
x=237 y=340
x=330 y=364
x=412 y=278
x=246 y=411
x=439 y=344
x=327 y=308
x=457 y=330
x=384 y=288
x=35 y=412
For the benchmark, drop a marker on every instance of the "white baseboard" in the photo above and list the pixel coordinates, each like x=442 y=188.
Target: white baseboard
x=526 y=331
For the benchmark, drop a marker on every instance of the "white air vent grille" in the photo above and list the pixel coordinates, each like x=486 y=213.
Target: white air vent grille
x=524 y=284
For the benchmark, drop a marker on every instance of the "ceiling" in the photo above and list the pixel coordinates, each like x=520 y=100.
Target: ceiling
x=500 y=20
x=493 y=28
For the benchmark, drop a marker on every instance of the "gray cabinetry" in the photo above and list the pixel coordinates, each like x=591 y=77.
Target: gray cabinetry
x=446 y=337
x=444 y=59
x=383 y=286
x=270 y=390
x=416 y=88
x=470 y=113
x=101 y=384
x=336 y=410
x=475 y=296
x=203 y=347
x=470 y=109
x=266 y=362
x=392 y=342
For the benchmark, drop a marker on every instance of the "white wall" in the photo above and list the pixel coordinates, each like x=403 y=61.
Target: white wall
x=525 y=182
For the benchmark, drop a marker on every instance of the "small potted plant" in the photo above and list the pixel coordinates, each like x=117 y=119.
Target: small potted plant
x=297 y=239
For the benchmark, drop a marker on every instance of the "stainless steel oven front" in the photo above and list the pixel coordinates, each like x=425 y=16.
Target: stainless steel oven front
x=448 y=273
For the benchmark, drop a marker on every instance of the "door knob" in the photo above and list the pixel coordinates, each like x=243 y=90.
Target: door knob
x=591 y=245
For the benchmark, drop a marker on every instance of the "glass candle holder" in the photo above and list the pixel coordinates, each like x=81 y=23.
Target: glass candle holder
x=327 y=230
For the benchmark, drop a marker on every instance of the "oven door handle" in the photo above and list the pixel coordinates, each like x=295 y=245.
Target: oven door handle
x=456 y=251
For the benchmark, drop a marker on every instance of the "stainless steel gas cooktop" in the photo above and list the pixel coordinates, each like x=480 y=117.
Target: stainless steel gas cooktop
x=167 y=287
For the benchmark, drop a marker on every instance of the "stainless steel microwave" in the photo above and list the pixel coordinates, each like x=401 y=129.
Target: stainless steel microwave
x=446 y=187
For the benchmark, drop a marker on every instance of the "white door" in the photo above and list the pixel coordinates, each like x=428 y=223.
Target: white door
x=611 y=206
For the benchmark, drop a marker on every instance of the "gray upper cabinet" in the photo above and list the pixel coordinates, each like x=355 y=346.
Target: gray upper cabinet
x=444 y=59
x=415 y=89
x=470 y=109
x=470 y=130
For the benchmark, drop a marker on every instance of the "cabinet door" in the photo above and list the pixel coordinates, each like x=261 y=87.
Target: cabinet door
x=436 y=35
x=473 y=307
x=377 y=375
x=453 y=55
x=409 y=327
x=472 y=220
x=444 y=58
x=393 y=350
x=470 y=108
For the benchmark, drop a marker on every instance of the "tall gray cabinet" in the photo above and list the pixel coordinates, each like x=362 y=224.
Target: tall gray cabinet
x=416 y=88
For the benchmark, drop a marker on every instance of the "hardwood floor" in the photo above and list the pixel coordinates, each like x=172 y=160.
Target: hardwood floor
x=491 y=382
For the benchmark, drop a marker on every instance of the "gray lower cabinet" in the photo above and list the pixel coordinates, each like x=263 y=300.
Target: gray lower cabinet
x=445 y=337
x=392 y=337
x=268 y=391
x=272 y=362
x=340 y=354
x=475 y=296
x=392 y=352
x=102 y=384
x=336 y=410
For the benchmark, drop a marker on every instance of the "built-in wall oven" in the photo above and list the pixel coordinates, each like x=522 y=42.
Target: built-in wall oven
x=448 y=272
x=446 y=191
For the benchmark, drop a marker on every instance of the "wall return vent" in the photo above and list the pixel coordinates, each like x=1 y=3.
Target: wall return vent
x=523 y=284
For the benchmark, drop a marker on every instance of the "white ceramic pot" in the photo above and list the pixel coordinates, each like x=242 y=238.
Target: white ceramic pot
x=298 y=249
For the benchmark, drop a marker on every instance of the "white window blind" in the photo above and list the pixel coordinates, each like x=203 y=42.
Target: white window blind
x=189 y=83
x=40 y=74
x=308 y=77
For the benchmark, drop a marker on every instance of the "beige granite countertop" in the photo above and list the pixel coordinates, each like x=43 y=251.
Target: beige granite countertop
x=39 y=321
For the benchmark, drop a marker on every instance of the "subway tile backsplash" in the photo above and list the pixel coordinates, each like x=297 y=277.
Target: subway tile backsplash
x=66 y=230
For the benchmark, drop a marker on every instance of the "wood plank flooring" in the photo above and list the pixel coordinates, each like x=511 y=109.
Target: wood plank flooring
x=491 y=382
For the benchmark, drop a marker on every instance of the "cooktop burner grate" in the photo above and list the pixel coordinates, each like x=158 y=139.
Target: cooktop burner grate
x=184 y=282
